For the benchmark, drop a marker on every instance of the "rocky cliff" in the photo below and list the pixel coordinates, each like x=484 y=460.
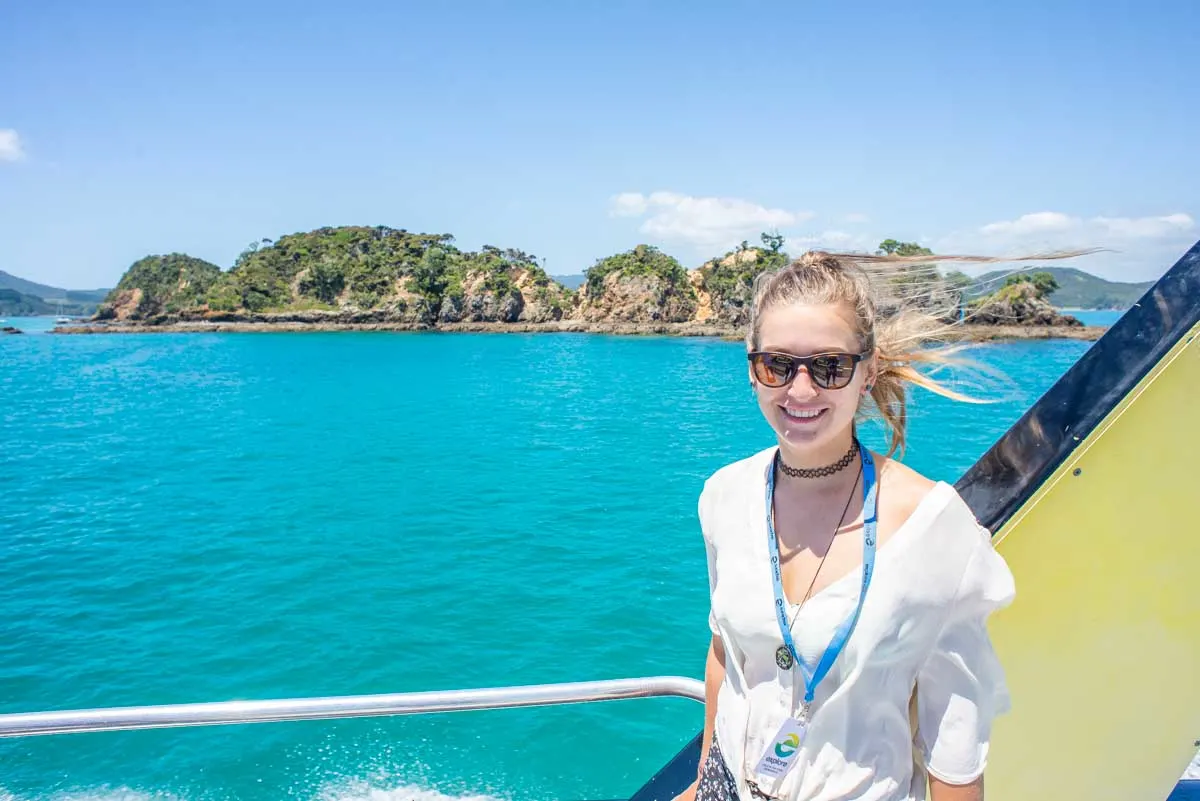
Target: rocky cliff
x=727 y=282
x=642 y=285
x=1020 y=303
x=158 y=286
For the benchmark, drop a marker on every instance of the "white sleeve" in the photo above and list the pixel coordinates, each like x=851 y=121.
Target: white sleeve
x=709 y=552
x=961 y=687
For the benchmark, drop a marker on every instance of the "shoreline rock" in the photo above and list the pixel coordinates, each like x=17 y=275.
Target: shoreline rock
x=962 y=333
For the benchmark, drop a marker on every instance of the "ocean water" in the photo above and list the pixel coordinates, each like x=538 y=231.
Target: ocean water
x=213 y=517
x=1103 y=317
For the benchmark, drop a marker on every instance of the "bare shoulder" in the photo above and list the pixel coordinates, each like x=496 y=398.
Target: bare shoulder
x=901 y=491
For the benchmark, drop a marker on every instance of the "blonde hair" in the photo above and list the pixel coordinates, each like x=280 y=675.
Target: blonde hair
x=899 y=340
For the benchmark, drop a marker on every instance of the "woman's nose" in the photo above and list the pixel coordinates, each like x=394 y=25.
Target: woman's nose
x=802 y=388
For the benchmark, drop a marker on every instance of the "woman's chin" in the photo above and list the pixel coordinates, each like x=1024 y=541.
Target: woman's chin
x=803 y=430
x=807 y=434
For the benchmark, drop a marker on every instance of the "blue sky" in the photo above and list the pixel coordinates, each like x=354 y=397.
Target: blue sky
x=576 y=130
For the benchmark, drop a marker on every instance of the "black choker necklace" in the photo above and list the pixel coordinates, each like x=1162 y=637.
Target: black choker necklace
x=818 y=472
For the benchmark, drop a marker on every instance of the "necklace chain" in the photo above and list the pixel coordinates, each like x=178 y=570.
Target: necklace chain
x=819 y=472
x=828 y=548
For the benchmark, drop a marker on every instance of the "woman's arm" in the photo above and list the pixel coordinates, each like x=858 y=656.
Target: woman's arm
x=961 y=687
x=714 y=675
x=940 y=791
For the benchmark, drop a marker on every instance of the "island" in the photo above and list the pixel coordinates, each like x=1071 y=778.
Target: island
x=381 y=278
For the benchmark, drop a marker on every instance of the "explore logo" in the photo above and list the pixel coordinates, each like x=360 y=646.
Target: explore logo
x=787 y=746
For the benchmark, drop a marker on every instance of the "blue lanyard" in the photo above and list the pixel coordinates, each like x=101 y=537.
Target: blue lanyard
x=840 y=637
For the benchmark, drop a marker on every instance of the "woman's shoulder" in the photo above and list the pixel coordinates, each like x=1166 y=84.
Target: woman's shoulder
x=953 y=541
x=908 y=498
x=732 y=486
x=903 y=491
x=742 y=474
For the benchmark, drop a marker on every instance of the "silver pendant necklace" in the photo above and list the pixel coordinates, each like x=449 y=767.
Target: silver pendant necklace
x=783 y=655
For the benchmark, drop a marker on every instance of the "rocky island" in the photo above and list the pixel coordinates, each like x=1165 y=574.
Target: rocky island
x=380 y=278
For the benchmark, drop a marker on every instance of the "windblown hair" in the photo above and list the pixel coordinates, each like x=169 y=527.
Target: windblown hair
x=900 y=340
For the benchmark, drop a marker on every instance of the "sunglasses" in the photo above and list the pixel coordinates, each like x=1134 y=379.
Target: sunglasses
x=826 y=370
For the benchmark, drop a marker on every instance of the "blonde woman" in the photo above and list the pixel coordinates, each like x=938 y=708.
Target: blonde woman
x=849 y=594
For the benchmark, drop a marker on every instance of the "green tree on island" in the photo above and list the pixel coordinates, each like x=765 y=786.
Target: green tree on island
x=641 y=260
x=729 y=278
x=891 y=247
x=1044 y=283
x=1022 y=300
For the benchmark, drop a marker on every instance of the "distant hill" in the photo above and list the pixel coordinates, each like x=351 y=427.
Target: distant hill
x=74 y=301
x=570 y=281
x=1077 y=289
x=18 y=304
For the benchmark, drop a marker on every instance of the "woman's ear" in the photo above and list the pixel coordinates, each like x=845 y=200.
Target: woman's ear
x=872 y=365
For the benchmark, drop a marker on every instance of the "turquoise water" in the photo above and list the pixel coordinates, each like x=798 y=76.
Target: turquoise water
x=1095 y=316
x=30 y=325
x=212 y=517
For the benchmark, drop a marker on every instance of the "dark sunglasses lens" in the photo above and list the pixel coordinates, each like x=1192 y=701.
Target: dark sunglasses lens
x=772 y=370
x=833 y=371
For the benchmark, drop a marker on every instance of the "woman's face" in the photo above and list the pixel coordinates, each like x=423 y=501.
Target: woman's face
x=809 y=418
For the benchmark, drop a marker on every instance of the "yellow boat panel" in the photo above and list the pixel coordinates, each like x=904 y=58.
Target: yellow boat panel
x=1102 y=644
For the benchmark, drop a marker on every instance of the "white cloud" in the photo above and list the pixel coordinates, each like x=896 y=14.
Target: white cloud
x=1045 y=224
x=706 y=223
x=10 y=145
x=1138 y=248
x=1032 y=223
x=1135 y=248
x=829 y=240
x=628 y=204
x=1144 y=227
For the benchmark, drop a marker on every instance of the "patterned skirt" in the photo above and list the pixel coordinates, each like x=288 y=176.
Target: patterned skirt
x=716 y=782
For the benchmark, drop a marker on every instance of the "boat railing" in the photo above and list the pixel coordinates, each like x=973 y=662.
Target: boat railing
x=670 y=779
x=27 y=724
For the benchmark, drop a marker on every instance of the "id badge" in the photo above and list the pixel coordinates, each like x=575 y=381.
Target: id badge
x=782 y=750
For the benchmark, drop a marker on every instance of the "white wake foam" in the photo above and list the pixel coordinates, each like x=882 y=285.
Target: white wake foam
x=346 y=790
x=360 y=790
x=100 y=794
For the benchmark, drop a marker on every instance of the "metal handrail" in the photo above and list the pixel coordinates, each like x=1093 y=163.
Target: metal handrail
x=27 y=724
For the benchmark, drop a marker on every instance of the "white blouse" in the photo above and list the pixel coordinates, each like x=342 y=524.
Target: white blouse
x=918 y=684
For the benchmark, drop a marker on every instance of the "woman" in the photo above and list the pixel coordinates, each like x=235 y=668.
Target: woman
x=849 y=655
